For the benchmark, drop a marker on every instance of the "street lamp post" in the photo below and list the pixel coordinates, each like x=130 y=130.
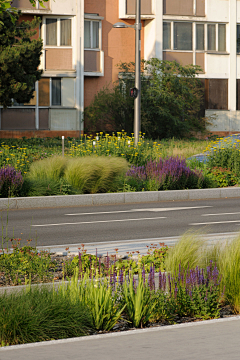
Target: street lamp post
x=137 y=101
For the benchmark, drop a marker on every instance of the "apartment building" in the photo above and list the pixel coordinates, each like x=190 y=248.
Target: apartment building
x=81 y=51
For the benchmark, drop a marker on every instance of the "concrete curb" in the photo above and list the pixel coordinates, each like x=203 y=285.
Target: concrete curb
x=122 y=333
x=117 y=198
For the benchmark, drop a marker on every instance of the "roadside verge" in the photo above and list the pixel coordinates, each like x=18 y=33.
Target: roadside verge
x=117 y=198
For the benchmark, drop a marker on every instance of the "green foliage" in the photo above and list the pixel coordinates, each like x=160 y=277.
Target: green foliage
x=19 y=58
x=222 y=177
x=188 y=251
x=172 y=97
x=226 y=158
x=139 y=302
x=40 y=315
x=228 y=262
x=95 y=174
x=51 y=168
x=26 y=263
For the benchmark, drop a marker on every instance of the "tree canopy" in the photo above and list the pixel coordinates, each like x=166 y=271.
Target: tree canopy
x=171 y=101
x=19 y=58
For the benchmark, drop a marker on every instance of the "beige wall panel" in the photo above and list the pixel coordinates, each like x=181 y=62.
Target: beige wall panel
x=146 y=7
x=22 y=4
x=58 y=59
x=33 y=101
x=43 y=119
x=46 y=5
x=178 y=7
x=64 y=7
x=183 y=58
x=200 y=8
x=91 y=60
x=43 y=91
x=63 y=119
x=68 y=93
x=18 y=119
x=200 y=60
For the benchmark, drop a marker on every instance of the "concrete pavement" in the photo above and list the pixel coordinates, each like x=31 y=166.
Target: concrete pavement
x=206 y=340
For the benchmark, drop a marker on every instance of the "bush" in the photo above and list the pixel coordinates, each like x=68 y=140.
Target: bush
x=168 y=174
x=51 y=168
x=11 y=182
x=170 y=104
x=227 y=158
x=222 y=177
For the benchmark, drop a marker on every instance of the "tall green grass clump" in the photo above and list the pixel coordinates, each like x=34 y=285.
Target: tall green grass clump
x=52 y=168
x=38 y=314
x=188 y=252
x=93 y=174
x=228 y=262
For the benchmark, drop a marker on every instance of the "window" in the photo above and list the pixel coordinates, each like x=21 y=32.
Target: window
x=200 y=37
x=91 y=34
x=166 y=35
x=58 y=32
x=238 y=38
x=182 y=36
x=211 y=37
x=56 y=91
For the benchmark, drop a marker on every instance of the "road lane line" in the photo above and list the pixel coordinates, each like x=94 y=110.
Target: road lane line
x=220 y=214
x=100 y=221
x=216 y=222
x=147 y=209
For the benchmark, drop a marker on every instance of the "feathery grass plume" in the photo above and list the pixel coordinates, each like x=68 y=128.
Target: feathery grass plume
x=229 y=267
x=93 y=174
x=189 y=252
x=51 y=168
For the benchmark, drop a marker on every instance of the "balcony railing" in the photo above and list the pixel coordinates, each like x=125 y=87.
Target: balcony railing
x=26 y=5
x=93 y=62
x=146 y=7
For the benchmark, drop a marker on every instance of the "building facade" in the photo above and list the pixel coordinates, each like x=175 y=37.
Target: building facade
x=81 y=51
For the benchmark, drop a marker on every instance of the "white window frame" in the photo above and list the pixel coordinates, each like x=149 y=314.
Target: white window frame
x=194 y=23
x=44 y=32
x=91 y=20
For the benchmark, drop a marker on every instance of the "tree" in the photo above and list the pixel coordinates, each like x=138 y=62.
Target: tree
x=19 y=58
x=172 y=97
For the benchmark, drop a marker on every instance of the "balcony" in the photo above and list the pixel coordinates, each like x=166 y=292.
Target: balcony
x=26 y=6
x=127 y=9
x=93 y=63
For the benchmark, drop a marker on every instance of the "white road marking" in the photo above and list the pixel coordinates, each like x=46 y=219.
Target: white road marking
x=148 y=209
x=216 y=222
x=236 y=213
x=100 y=221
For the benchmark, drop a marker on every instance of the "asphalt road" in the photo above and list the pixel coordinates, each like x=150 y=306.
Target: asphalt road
x=93 y=224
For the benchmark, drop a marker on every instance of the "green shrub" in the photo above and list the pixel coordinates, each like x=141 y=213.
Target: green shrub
x=40 y=315
x=92 y=174
x=222 y=177
x=227 y=158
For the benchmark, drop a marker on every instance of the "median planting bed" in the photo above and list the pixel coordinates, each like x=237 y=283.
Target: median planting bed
x=104 y=163
x=188 y=282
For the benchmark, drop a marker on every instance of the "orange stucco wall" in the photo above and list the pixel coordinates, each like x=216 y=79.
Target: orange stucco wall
x=117 y=44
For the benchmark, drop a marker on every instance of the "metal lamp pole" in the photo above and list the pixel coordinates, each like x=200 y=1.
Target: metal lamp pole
x=137 y=100
x=137 y=91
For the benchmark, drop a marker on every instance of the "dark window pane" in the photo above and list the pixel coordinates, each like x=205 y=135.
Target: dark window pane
x=211 y=37
x=238 y=38
x=87 y=34
x=199 y=37
x=183 y=36
x=51 y=31
x=166 y=35
x=56 y=91
x=66 y=32
x=221 y=37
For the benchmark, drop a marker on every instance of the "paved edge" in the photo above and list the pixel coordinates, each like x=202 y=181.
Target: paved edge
x=123 y=333
x=117 y=198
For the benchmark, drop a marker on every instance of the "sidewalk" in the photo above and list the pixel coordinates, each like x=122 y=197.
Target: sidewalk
x=206 y=340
